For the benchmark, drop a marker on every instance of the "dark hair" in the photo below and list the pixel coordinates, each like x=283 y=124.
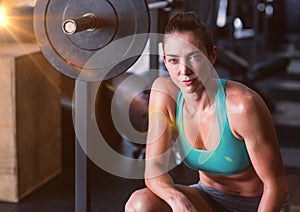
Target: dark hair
x=190 y=22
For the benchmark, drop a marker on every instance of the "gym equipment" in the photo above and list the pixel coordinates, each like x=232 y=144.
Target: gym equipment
x=240 y=70
x=242 y=49
x=166 y=5
x=71 y=32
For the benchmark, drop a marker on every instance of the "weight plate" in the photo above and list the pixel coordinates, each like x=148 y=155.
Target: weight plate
x=69 y=54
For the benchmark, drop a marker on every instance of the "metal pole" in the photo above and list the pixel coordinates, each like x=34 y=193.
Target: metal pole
x=82 y=194
x=159 y=4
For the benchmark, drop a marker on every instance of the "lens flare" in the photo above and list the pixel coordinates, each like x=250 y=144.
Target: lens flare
x=3 y=17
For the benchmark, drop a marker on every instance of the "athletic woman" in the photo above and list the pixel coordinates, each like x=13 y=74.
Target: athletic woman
x=223 y=130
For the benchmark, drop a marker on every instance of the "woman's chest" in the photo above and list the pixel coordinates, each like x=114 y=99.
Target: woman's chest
x=201 y=130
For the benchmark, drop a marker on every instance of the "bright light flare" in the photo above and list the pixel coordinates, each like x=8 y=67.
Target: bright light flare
x=3 y=17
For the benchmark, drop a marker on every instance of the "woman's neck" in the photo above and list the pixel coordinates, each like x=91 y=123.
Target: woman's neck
x=202 y=99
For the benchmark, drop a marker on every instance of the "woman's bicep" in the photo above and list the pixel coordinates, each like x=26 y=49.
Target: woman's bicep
x=264 y=152
x=257 y=129
x=160 y=130
x=161 y=118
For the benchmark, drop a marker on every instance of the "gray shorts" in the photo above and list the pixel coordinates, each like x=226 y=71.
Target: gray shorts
x=222 y=202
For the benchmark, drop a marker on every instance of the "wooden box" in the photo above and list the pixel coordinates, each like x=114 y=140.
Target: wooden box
x=30 y=121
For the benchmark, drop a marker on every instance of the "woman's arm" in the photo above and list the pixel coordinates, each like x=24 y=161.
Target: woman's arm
x=159 y=143
x=252 y=121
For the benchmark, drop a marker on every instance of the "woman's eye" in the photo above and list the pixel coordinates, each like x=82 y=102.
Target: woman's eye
x=173 y=60
x=195 y=57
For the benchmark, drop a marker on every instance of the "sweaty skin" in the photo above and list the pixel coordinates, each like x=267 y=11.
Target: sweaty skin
x=249 y=120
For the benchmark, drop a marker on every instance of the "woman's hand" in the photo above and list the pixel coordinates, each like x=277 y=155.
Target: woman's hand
x=180 y=203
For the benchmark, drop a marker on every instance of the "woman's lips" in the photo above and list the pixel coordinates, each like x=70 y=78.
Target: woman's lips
x=188 y=82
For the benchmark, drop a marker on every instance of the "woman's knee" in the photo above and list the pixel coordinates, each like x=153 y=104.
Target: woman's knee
x=144 y=200
x=136 y=202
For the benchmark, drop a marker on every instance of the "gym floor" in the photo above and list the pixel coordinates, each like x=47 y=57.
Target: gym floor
x=109 y=193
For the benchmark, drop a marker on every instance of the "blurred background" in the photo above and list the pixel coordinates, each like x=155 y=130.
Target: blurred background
x=258 y=44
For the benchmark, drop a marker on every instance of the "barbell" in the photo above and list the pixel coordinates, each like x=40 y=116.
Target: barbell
x=70 y=32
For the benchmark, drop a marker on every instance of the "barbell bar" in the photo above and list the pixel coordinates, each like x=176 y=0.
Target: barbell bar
x=90 y=22
x=70 y=32
x=87 y=22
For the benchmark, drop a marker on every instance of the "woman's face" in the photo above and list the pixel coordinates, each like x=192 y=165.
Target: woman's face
x=187 y=60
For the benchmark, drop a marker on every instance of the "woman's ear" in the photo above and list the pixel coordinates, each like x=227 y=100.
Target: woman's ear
x=213 y=56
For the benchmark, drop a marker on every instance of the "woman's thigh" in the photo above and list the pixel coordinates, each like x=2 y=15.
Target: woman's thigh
x=146 y=200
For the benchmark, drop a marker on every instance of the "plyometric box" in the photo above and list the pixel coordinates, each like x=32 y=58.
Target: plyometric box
x=30 y=121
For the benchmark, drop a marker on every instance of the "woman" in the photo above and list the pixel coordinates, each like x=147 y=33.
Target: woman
x=239 y=162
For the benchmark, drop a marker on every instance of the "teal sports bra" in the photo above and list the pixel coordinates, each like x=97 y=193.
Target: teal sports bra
x=228 y=158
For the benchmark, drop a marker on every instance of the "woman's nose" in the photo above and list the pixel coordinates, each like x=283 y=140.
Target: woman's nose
x=184 y=69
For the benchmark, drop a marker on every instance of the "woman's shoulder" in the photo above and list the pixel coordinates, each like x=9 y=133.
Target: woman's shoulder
x=163 y=96
x=163 y=82
x=164 y=85
x=242 y=105
x=240 y=97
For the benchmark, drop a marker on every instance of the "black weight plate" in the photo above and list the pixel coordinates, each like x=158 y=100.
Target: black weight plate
x=96 y=39
x=70 y=53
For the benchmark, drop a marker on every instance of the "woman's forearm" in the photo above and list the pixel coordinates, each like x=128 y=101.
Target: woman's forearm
x=273 y=198
x=163 y=187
